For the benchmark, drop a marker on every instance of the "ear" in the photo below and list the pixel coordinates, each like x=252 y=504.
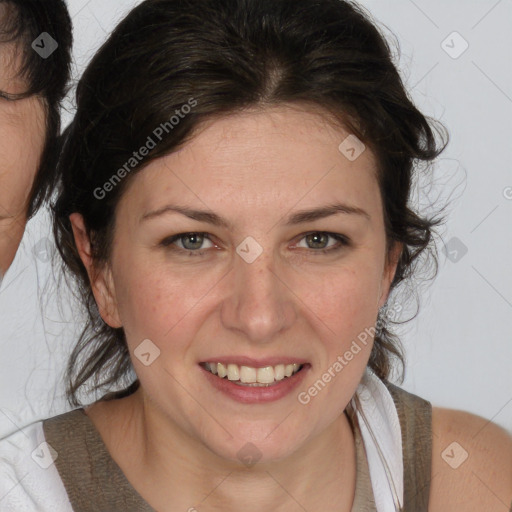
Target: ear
x=392 y=259
x=101 y=280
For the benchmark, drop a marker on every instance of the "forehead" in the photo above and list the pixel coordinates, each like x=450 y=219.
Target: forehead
x=11 y=61
x=296 y=123
x=11 y=53
x=284 y=151
x=280 y=134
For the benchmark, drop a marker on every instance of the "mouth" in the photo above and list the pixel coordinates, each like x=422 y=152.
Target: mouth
x=250 y=376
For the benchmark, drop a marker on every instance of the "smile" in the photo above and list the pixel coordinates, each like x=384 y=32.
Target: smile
x=250 y=376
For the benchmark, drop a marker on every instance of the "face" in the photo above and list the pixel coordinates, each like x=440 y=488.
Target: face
x=22 y=137
x=266 y=288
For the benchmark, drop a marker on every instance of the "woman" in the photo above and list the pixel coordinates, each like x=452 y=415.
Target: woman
x=33 y=76
x=234 y=209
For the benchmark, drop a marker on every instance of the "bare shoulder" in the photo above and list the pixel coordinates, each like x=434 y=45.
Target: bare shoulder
x=471 y=463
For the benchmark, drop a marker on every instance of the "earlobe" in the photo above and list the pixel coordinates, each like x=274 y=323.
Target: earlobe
x=389 y=272
x=101 y=280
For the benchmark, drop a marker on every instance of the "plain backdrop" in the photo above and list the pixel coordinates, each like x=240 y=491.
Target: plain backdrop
x=455 y=62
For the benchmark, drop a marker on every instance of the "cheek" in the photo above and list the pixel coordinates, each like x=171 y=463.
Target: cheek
x=20 y=153
x=355 y=300
x=346 y=300
x=346 y=310
x=155 y=304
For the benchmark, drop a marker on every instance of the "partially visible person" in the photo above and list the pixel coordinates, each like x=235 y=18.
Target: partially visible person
x=35 y=57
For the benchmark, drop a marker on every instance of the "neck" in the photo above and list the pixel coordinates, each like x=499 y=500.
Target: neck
x=174 y=468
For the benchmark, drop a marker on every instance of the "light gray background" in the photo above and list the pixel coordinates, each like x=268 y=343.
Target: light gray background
x=459 y=348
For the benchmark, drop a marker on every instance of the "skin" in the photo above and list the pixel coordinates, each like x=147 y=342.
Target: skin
x=176 y=439
x=484 y=480
x=22 y=138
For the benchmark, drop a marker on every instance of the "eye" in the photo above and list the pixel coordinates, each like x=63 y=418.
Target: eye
x=319 y=239
x=189 y=242
x=192 y=242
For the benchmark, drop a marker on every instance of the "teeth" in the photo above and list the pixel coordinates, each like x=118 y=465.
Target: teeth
x=279 y=372
x=249 y=375
x=221 y=369
x=233 y=372
x=212 y=367
x=266 y=375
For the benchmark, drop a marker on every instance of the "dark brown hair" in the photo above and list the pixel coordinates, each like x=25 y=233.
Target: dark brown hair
x=21 y=22
x=230 y=55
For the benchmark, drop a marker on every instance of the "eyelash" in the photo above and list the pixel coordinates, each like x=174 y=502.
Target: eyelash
x=343 y=242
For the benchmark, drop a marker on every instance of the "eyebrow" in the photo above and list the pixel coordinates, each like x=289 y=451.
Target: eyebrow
x=299 y=217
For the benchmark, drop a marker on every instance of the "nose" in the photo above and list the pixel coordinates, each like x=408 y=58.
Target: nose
x=259 y=305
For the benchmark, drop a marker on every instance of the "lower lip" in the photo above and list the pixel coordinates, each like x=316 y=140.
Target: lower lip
x=257 y=395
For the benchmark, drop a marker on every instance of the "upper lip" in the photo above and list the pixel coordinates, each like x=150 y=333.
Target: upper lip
x=255 y=363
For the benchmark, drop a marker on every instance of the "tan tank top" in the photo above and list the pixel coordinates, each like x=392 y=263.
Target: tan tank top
x=94 y=481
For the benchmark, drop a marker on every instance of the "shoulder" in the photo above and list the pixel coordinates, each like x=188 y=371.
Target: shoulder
x=471 y=463
x=29 y=480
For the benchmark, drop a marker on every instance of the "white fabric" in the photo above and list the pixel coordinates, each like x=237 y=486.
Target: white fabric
x=380 y=411
x=38 y=324
x=25 y=486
